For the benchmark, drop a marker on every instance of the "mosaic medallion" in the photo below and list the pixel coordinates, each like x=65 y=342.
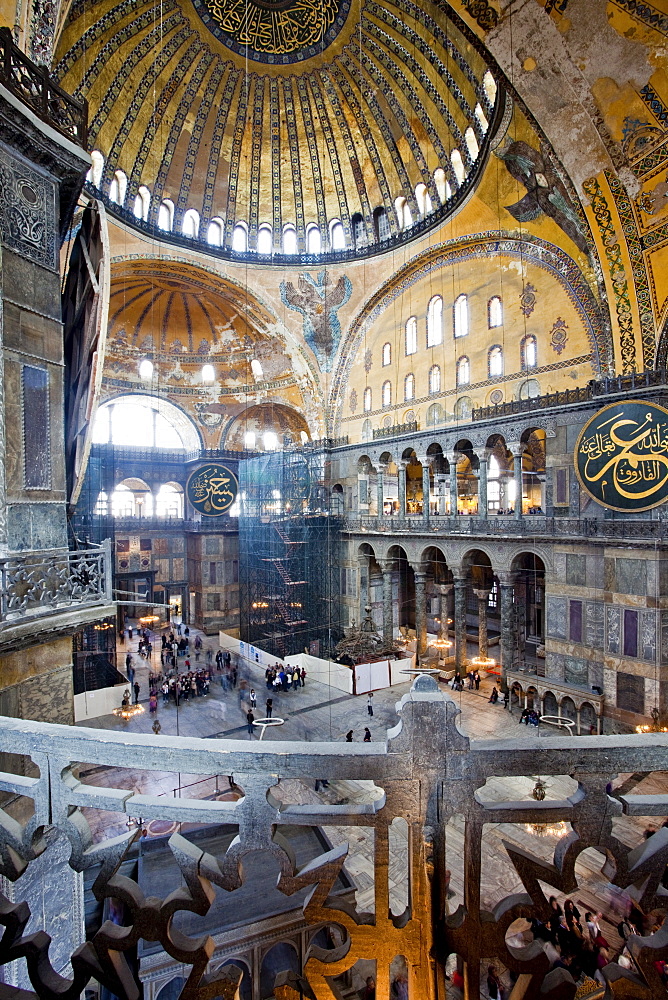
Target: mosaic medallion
x=274 y=31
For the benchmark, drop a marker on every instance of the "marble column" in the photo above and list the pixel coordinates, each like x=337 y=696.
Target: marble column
x=401 y=490
x=426 y=489
x=482 y=489
x=518 y=485
x=441 y=493
x=460 y=624
x=379 y=489
x=548 y=506
x=443 y=607
x=507 y=599
x=388 y=610
x=483 y=597
x=365 y=584
x=453 y=486
x=421 y=611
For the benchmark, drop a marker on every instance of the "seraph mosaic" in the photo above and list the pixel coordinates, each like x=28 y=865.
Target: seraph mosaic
x=318 y=300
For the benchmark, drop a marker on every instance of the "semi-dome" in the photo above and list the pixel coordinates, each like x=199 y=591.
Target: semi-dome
x=280 y=126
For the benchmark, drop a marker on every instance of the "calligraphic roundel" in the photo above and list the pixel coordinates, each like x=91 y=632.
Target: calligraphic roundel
x=212 y=489
x=621 y=456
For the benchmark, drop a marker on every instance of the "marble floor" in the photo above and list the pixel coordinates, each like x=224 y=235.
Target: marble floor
x=318 y=712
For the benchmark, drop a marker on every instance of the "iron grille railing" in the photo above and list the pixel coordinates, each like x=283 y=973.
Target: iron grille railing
x=528 y=525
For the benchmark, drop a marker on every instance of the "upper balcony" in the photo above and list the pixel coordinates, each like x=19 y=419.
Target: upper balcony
x=534 y=526
x=34 y=87
x=53 y=591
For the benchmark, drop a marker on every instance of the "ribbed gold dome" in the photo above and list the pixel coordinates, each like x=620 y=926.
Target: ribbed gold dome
x=376 y=131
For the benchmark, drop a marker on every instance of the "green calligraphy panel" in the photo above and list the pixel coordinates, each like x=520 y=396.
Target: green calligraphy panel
x=621 y=456
x=212 y=490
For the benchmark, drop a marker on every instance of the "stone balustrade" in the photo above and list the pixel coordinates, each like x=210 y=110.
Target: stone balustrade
x=37 y=584
x=429 y=773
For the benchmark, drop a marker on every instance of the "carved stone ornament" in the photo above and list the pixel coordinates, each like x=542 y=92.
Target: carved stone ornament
x=27 y=211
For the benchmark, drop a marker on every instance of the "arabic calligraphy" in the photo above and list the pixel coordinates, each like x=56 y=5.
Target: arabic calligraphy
x=212 y=490
x=621 y=457
x=273 y=27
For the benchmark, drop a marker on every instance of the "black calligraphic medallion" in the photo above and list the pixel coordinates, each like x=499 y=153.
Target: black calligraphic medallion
x=621 y=456
x=212 y=489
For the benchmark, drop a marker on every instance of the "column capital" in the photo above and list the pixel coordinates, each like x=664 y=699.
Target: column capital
x=446 y=588
x=507 y=579
x=425 y=459
x=387 y=565
x=482 y=595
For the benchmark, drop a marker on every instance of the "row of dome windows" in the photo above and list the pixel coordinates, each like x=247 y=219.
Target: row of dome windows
x=208 y=372
x=460 y=324
x=190 y=226
x=528 y=350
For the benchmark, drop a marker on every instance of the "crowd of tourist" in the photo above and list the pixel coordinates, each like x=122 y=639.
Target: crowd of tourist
x=283 y=678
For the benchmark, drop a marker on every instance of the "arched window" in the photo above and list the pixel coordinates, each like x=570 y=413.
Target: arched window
x=146 y=370
x=404 y=214
x=529 y=351
x=367 y=399
x=463 y=370
x=256 y=369
x=249 y=439
x=471 y=143
x=264 y=240
x=101 y=504
x=208 y=373
x=440 y=182
x=214 y=233
x=240 y=238
x=458 y=166
x=387 y=354
x=434 y=379
x=530 y=389
x=122 y=502
x=494 y=312
x=190 y=225
x=461 y=316
x=337 y=237
x=289 y=239
x=435 y=321
x=411 y=335
x=387 y=393
x=489 y=83
x=358 y=229
x=381 y=223
x=482 y=118
x=495 y=361
x=145 y=421
x=118 y=187
x=166 y=215
x=423 y=200
x=169 y=501
x=313 y=241
x=409 y=387
x=493 y=484
x=94 y=175
x=142 y=203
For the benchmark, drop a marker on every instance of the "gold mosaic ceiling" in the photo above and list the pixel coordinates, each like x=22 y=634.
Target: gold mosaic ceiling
x=278 y=113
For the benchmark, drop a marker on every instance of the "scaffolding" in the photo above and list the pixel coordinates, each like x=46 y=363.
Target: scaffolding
x=288 y=554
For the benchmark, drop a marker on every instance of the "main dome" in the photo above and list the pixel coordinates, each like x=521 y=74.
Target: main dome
x=280 y=126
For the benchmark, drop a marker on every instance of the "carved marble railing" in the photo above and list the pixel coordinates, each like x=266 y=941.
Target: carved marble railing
x=33 y=85
x=429 y=774
x=529 y=525
x=37 y=584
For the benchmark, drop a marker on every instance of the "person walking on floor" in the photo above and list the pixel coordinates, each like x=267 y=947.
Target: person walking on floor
x=369 y=704
x=136 y=690
x=253 y=698
x=270 y=707
x=367 y=735
x=250 y=719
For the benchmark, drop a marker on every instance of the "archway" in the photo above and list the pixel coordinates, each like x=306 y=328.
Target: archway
x=282 y=957
x=529 y=587
x=266 y=427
